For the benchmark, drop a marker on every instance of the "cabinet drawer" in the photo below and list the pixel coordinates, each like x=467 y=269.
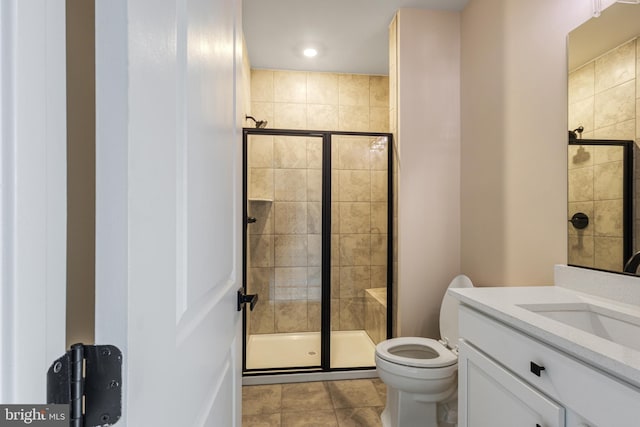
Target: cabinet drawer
x=596 y=396
x=489 y=395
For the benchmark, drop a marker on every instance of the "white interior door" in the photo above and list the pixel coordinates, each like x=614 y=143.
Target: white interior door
x=168 y=207
x=32 y=195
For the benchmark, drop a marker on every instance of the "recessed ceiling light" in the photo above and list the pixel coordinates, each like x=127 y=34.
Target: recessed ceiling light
x=310 y=52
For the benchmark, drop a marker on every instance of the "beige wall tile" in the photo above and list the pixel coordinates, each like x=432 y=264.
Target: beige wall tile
x=262 y=318
x=616 y=67
x=314 y=153
x=622 y=130
x=353 y=89
x=335 y=281
x=607 y=181
x=335 y=217
x=351 y=314
x=608 y=153
x=314 y=250
x=355 y=218
x=260 y=183
x=290 y=86
x=263 y=213
x=581 y=184
x=322 y=117
x=379 y=158
x=261 y=281
x=291 y=316
x=580 y=156
x=608 y=218
x=290 y=185
x=290 y=217
x=335 y=314
x=322 y=88
x=355 y=186
x=582 y=114
x=261 y=250
x=378 y=119
x=314 y=217
x=378 y=249
x=335 y=250
x=290 y=250
x=379 y=217
x=354 y=280
x=290 y=283
x=581 y=250
x=378 y=276
x=379 y=91
x=289 y=152
x=355 y=249
x=260 y=151
x=582 y=83
x=261 y=111
x=290 y=116
x=379 y=187
x=615 y=105
x=314 y=185
x=314 y=316
x=262 y=86
x=608 y=253
x=353 y=118
x=587 y=209
x=354 y=153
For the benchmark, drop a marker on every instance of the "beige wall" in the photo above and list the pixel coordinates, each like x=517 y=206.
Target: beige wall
x=514 y=133
x=427 y=75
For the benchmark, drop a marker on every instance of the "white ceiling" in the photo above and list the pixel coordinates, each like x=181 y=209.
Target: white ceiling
x=351 y=36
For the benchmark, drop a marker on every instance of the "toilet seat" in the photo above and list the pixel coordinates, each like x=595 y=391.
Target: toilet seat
x=416 y=352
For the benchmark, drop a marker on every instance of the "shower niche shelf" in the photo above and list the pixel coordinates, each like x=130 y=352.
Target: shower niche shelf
x=259 y=200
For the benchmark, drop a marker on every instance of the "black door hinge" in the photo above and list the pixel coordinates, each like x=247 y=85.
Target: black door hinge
x=98 y=391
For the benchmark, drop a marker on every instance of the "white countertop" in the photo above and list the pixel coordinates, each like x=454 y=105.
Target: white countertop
x=502 y=303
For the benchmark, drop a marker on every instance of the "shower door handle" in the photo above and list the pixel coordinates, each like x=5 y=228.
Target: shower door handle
x=243 y=299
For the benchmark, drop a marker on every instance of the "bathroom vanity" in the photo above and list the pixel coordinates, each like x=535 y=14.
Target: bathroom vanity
x=551 y=356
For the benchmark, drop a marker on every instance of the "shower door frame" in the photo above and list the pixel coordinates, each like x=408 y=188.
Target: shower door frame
x=627 y=195
x=325 y=300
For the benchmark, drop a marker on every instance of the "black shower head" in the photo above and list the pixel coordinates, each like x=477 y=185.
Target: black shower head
x=259 y=123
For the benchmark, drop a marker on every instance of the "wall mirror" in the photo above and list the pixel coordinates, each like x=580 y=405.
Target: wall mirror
x=604 y=112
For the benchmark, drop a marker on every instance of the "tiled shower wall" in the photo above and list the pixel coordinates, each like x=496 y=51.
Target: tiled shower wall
x=285 y=172
x=604 y=97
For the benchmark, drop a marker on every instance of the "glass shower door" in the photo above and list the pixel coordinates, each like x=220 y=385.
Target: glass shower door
x=359 y=248
x=284 y=251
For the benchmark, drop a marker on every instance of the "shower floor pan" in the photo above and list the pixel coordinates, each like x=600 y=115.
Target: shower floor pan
x=349 y=349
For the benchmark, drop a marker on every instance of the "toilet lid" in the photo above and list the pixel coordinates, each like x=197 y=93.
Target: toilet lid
x=416 y=352
x=449 y=312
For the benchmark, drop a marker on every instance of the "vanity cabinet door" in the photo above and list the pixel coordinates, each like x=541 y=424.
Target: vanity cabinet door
x=489 y=395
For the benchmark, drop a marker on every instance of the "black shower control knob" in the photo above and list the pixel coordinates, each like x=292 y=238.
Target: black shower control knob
x=579 y=220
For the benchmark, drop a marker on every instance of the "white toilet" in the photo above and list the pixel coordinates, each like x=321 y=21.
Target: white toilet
x=421 y=373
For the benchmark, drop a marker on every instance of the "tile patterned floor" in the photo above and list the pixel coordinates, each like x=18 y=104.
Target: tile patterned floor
x=349 y=403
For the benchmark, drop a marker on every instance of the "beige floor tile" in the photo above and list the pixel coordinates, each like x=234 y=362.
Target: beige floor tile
x=263 y=420
x=309 y=419
x=261 y=399
x=359 y=417
x=313 y=396
x=381 y=387
x=354 y=394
